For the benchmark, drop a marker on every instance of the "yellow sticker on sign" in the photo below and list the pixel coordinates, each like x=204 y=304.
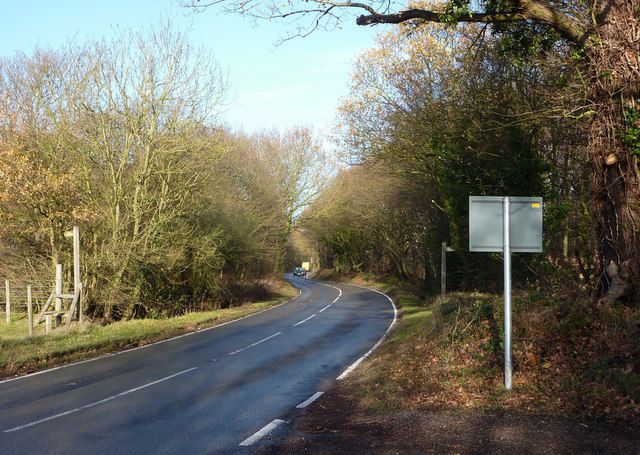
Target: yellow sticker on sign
x=535 y=205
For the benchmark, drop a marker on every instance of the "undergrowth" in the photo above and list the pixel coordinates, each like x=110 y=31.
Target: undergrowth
x=570 y=357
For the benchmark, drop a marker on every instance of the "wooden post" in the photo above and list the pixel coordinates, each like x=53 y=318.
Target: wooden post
x=45 y=307
x=443 y=270
x=8 y=301
x=77 y=285
x=48 y=323
x=30 y=310
x=74 y=306
x=58 y=300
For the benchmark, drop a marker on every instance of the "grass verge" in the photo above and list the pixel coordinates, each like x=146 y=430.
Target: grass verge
x=21 y=354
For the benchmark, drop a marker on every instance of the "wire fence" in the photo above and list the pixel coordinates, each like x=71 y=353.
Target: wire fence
x=19 y=321
x=16 y=291
x=31 y=296
x=16 y=299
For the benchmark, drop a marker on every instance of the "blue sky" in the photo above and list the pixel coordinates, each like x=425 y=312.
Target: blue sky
x=297 y=83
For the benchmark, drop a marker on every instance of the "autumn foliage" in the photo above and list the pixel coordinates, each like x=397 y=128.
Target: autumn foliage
x=175 y=211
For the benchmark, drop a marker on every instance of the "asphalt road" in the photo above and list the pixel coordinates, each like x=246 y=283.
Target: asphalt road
x=215 y=391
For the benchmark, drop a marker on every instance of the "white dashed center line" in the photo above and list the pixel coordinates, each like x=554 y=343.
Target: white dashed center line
x=304 y=320
x=255 y=344
x=96 y=403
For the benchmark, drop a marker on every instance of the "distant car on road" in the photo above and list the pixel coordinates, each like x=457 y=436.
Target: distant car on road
x=299 y=271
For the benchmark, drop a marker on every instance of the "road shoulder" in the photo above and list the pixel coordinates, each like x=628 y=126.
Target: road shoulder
x=337 y=423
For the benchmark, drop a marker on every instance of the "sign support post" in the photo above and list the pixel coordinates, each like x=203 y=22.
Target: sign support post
x=508 y=368
x=491 y=219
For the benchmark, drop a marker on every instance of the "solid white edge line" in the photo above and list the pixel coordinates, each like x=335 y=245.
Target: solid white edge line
x=334 y=300
x=96 y=403
x=262 y=433
x=310 y=400
x=303 y=321
x=355 y=364
x=255 y=344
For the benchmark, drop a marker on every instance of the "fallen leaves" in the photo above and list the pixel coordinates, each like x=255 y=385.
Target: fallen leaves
x=558 y=368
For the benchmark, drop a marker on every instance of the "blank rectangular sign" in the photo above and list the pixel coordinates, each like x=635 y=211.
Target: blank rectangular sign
x=485 y=224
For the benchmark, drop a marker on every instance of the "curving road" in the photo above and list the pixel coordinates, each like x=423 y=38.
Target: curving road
x=215 y=391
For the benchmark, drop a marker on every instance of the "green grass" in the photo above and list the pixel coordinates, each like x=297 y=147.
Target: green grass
x=21 y=354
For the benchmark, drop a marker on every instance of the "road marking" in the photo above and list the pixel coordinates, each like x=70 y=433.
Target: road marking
x=262 y=433
x=352 y=367
x=147 y=345
x=304 y=320
x=334 y=300
x=255 y=344
x=313 y=398
x=384 y=336
x=90 y=405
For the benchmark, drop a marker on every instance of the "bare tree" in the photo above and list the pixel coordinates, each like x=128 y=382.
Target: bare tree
x=299 y=170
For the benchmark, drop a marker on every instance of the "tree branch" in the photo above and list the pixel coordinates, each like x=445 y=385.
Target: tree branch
x=431 y=16
x=566 y=25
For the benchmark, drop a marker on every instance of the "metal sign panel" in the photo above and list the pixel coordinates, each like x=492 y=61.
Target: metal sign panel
x=505 y=224
x=486 y=230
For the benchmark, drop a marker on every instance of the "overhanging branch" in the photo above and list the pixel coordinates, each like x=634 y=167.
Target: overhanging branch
x=431 y=16
x=566 y=25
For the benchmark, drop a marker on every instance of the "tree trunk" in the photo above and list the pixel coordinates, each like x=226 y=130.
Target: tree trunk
x=613 y=89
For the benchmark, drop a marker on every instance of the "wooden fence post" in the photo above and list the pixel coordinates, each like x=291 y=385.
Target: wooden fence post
x=443 y=269
x=30 y=310
x=76 y=306
x=77 y=284
x=58 y=292
x=8 y=300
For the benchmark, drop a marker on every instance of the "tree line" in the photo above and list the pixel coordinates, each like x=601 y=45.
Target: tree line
x=436 y=115
x=124 y=139
x=600 y=42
